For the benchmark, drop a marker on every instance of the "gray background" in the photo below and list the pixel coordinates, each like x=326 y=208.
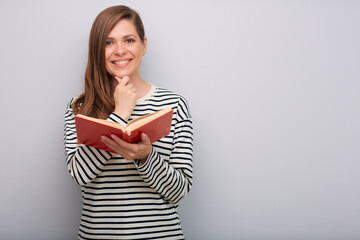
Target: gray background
x=274 y=92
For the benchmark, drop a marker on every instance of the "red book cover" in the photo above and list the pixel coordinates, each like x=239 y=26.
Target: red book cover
x=156 y=125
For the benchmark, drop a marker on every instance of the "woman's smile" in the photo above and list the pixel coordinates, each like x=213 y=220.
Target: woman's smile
x=121 y=63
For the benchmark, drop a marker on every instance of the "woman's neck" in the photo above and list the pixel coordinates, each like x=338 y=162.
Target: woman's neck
x=142 y=87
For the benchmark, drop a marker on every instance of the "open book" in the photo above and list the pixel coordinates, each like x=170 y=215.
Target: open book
x=156 y=125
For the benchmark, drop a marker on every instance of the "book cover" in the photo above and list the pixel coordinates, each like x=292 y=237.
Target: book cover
x=156 y=125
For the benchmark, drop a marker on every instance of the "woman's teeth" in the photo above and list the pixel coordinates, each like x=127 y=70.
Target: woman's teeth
x=122 y=62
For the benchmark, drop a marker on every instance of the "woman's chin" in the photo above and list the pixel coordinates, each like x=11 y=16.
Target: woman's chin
x=122 y=74
x=119 y=75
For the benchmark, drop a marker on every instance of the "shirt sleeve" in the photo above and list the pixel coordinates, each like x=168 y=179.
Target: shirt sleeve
x=84 y=163
x=173 y=178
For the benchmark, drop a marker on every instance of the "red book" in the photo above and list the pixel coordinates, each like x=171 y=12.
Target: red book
x=156 y=125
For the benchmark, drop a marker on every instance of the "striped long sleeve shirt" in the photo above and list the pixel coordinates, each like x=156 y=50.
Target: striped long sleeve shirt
x=125 y=200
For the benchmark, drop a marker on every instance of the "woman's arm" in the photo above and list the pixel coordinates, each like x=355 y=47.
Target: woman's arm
x=173 y=178
x=84 y=163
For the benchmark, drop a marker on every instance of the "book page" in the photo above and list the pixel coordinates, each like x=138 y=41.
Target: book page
x=135 y=123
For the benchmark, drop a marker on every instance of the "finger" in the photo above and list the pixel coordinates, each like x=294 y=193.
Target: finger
x=145 y=139
x=131 y=88
x=121 y=143
x=118 y=79
x=110 y=143
x=115 y=147
x=105 y=139
x=122 y=81
x=125 y=80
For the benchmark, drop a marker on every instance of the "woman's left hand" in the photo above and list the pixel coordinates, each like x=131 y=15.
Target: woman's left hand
x=130 y=151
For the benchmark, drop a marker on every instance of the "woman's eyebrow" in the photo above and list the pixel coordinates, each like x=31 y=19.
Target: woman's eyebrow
x=129 y=35
x=126 y=36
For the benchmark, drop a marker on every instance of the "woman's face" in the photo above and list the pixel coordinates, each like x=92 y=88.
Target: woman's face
x=124 y=50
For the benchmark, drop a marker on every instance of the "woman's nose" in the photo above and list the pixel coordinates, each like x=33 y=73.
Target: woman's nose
x=120 y=49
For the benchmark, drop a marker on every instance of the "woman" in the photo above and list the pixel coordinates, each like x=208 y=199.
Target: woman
x=132 y=194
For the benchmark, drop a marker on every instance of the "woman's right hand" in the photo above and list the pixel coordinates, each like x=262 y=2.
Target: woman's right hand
x=125 y=97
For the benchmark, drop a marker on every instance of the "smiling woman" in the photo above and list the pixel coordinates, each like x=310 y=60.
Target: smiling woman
x=134 y=193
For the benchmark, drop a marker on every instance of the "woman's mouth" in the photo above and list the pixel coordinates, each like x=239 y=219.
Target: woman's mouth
x=122 y=62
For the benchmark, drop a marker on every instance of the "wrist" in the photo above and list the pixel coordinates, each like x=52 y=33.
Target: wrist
x=144 y=159
x=122 y=114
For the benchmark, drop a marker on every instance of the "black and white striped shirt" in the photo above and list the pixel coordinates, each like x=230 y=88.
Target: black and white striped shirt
x=122 y=200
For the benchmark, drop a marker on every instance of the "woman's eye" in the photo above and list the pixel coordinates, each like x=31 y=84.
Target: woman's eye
x=108 y=43
x=129 y=40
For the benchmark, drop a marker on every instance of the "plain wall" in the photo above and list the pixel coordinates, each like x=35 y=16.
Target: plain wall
x=273 y=88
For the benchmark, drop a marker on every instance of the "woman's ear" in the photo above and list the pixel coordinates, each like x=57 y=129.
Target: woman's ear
x=144 y=45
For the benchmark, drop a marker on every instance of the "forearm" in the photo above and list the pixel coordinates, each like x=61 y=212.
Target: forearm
x=173 y=184
x=171 y=176
x=84 y=163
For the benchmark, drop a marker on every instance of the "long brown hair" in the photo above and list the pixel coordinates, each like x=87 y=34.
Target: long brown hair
x=97 y=99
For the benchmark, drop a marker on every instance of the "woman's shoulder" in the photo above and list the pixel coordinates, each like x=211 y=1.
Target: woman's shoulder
x=72 y=100
x=166 y=95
